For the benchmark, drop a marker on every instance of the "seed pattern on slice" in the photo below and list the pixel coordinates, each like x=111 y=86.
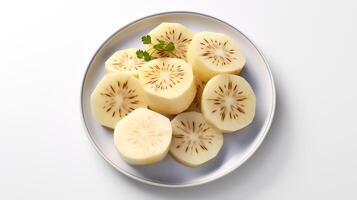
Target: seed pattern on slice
x=229 y=100
x=193 y=137
x=211 y=54
x=124 y=61
x=176 y=33
x=164 y=76
x=116 y=95
x=168 y=84
x=194 y=141
x=120 y=100
x=179 y=40
x=217 y=52
x=127 y=62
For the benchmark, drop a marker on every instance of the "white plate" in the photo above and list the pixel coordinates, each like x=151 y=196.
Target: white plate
x=237 y=147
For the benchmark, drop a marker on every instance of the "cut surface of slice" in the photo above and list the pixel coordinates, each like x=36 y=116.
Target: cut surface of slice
x=176 y=33
x=214 y=53
x=115 y=96
x=194 y=141
x=168 y=84
x=196 y=103
x=143 y=137
x=228 y=102
x=124 y=61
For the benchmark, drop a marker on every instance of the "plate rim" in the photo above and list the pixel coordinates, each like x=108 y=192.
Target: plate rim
x=249 y=154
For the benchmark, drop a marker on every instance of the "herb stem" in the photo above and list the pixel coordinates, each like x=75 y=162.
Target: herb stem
x=173 y=54
x=151 y=50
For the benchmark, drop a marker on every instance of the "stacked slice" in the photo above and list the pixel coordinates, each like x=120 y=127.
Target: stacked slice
x=169 y=85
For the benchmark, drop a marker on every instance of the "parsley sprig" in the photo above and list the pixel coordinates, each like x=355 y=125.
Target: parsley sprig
x=160 y=46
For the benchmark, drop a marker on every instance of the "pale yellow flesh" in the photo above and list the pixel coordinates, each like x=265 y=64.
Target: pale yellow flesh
x=228 y=102
x=115 y=96
x=124 y=61
x=143 y=137
x=168 y=84
x=196 y=103
x=176 y=33
x=214 y=53
x=194 y=141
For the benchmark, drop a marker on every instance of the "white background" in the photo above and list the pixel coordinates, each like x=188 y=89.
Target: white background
x=309 y=153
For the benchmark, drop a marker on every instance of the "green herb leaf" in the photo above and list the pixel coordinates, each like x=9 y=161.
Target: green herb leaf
x=159 y=46
x=140 y=53
x=146 y=39
x=169 y=47
x=144 y=54
x=147 y=56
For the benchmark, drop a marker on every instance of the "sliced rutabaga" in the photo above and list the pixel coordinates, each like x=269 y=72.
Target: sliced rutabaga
x=214 y=53
x=143 y=137
x=194 y=141
x=228 y=102
x=115 y=96
x=124 y=61
x=168 y=84
x=176 y=33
